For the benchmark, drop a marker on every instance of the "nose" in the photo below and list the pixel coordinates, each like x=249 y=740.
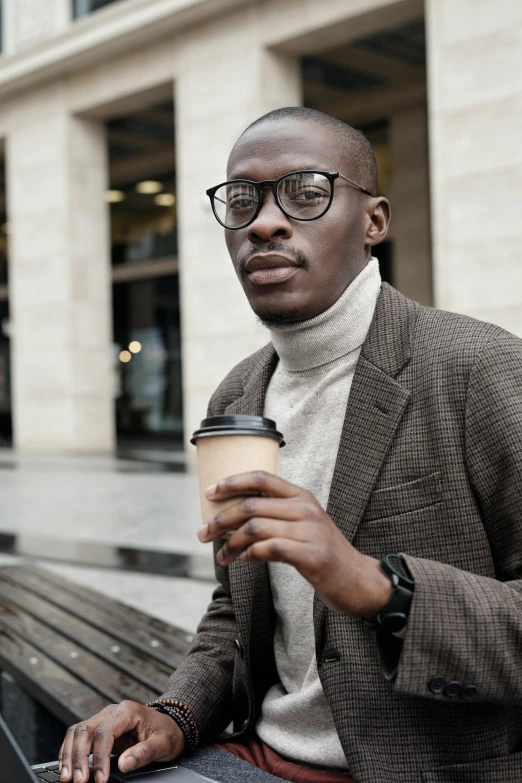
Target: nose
x=271 y=222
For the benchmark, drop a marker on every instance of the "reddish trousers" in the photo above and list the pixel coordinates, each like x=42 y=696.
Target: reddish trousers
x=256 y=752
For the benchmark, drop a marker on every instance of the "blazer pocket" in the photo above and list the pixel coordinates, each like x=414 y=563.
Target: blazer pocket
x=400 y=499
x=504 y=769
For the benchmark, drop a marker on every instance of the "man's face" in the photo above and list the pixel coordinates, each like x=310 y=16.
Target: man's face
x=292 y=270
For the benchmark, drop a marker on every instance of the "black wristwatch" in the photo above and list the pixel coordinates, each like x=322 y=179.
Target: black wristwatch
x=394 y=616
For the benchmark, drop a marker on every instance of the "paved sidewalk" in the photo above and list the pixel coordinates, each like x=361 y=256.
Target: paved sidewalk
x=90 y=517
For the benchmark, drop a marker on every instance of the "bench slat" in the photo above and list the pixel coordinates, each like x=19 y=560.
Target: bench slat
x=153 y=625
x=123 y=656
x=111 y=683
x=157 y=646
x=69 y=699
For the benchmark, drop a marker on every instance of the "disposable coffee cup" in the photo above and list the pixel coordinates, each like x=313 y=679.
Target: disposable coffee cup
x=231 y=444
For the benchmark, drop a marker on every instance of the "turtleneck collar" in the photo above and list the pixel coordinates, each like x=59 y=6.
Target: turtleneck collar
x=335 y=333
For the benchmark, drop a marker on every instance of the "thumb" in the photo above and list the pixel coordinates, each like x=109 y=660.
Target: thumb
x=154 y=748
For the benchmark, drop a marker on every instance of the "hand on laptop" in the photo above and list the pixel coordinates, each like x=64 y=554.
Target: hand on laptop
x=142 y=735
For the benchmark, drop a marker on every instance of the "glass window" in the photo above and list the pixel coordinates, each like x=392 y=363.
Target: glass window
x=84 y=7
x=147 y=361
x=147 y=346
x=143 y=224
x=4 y=230
x=5 y=379
x=5 y=373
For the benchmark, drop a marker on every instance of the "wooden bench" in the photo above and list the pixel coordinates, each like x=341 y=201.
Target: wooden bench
x=67 y=651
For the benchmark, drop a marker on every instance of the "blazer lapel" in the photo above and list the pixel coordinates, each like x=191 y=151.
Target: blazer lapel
x=249 y=582
x=375 y=407
x=252 y=401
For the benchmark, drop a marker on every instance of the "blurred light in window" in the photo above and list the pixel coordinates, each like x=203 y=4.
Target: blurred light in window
x=125 y=357
x=165 y=199
x=135 y=346
x=114 y=196
x=149 y=187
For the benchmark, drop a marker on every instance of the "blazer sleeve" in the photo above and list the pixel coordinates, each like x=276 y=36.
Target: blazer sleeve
x=464 y=627
x=204 y=680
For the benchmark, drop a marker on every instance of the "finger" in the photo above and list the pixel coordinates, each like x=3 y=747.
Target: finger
x=103 y=744
x=258 y=481
x=76 y=739
x=259 y=529
x=231 y=518
x=277 y=550
x=64 y=756
x=82 y=743
x=158 y=747
x=124 y=719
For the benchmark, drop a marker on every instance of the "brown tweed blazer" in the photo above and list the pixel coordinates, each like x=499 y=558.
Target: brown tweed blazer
x=429 y=464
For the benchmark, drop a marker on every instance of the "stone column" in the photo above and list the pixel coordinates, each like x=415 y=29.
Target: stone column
x=59 y=279
x=474 y=55
x=225 y=82
x=28 y=22
x=409 y=196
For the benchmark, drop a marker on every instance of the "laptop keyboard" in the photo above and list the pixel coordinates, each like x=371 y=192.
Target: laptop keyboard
x=49 y=773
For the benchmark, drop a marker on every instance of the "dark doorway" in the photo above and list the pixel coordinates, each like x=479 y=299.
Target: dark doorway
x=146 y=310
x=5 y=345
x=148 y=361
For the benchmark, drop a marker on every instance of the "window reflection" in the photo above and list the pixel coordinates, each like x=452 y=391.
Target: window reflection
x=83 y=7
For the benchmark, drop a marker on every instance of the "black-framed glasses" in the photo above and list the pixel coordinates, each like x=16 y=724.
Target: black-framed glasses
x=301 y=195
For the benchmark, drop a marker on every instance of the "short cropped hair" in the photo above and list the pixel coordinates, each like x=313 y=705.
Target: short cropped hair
x=353 y=142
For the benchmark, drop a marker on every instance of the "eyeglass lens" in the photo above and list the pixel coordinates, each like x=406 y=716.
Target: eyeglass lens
x=304 y=195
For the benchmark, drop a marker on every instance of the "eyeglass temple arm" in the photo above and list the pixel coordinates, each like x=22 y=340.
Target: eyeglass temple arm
x=356 y=185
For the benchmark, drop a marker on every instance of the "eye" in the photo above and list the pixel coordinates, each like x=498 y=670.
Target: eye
x=241 y=202
x=309 y=194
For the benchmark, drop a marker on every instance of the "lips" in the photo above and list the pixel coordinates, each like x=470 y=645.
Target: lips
x=266 y=268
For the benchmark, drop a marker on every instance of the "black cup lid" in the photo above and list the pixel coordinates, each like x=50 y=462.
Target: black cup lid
x=238 y=424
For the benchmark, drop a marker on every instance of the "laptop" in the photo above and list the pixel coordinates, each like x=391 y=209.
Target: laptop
x=14 y=768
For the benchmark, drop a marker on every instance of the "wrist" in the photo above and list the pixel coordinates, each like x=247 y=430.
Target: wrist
x=378 y=589
x=182 y=717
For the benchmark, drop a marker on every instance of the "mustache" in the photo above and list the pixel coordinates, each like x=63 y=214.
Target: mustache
x=272 y=247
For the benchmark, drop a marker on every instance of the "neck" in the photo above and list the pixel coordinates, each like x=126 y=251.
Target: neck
x=303 y=345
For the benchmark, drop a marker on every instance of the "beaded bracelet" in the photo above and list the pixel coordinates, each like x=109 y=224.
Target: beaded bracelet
x=177 y=718
x=183 y=709
x=184 y=718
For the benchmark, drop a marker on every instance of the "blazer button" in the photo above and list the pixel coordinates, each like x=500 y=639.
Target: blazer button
x=469 y=692
x=239 y=647
x=453 y=689
x=437 y=684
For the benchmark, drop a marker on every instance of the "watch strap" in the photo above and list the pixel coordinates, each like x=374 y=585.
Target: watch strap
x=394 y=616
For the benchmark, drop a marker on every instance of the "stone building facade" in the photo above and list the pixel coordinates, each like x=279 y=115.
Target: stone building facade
x=72 y=69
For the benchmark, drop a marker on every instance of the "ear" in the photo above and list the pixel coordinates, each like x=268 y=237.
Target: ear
x=378 y=216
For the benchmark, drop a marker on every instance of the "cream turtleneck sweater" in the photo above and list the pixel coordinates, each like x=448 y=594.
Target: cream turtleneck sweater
x=307 y=397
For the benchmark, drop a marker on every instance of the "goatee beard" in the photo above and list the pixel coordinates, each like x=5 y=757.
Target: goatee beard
x=273 y=320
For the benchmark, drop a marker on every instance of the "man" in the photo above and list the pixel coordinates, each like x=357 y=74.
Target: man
x=334 y=654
